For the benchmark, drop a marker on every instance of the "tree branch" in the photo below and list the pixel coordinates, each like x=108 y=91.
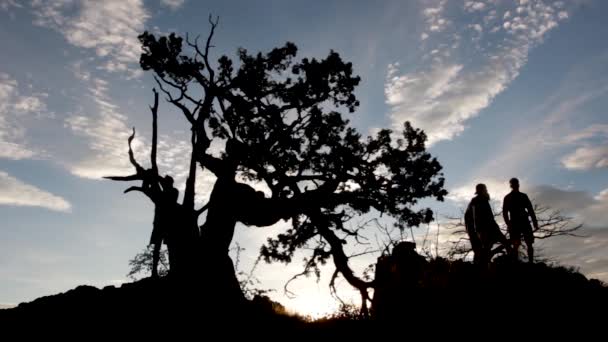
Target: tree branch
x=176 y=102
x=154 y=109
x=125 y=178
x=208 y=45
x=134 y=162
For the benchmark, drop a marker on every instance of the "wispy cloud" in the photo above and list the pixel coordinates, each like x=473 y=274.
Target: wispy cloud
x=587 y=207
x=106 y=131
x=18 y=193
x=110 y=27
x=586 y=158
x=8 y=4
x=15 y=108
x=594 y=150
x=589 y=252
x=474 y=6
x=497 y=188
x=434 y=17
x=173 y=4
x=443 y=96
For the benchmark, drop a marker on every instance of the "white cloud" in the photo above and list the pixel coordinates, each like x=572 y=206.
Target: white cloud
x=107 y=133
x=28 y=104
x=490 y=17
x=586 y=158
x=434 y=17
x=593 y=131
x=497 y=189
x=79 y=71
x=562 y=15
x=582 y=205
x=110 y=28
x=526 y=148
x=8 y=4
x=14 y=109
x=440 y=98
x=588 y=253
x=15 y=151
x=424 y=36
x=403 y=94
x=594 y=150
x=173 y=4
x=569 y=201
x=473 y=6
x=15 y=192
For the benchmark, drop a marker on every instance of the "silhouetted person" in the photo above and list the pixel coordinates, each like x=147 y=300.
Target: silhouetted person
x=469 y=223
x=517 y=211
x=482 y=228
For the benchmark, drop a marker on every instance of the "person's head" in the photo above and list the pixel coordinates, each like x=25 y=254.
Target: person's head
x=514 y=184
x=482 y=190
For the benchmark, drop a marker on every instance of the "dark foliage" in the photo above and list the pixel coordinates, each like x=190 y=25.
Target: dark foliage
x=280 y=120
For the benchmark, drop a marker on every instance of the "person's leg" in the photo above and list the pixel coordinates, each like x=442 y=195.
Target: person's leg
x=155 y=259
x=505 y=243
x=515 y=237
x=530 y=254
x=529 y=237
x=477 y=249
x=486 y=247
x=515 y=241
x=499 y=237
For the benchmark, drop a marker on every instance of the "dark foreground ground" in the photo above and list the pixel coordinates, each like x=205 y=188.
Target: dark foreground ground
x=451 y=299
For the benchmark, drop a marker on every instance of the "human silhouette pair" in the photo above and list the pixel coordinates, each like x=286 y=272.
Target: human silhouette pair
x=484 y=232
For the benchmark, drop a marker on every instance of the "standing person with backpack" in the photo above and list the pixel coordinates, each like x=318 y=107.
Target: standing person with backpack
x=483 y=230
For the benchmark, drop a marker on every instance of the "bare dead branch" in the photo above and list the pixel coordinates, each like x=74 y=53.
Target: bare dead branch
x=366 y=252
x=305 y=272
x=125 y=178
x=154 y=110
x=138 y=168
x=176 y=102
x=135 y=188
x=202 y=210
x=208 y=45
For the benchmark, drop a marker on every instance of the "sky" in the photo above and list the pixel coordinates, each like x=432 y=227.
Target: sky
x=503 y=88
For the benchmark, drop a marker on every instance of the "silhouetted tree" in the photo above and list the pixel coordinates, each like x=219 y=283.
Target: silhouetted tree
x=278 y=118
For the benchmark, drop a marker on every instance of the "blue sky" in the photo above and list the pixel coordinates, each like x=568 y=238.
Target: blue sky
x=503 y=88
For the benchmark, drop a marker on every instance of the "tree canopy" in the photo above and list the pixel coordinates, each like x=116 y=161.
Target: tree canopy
x=281 y=120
